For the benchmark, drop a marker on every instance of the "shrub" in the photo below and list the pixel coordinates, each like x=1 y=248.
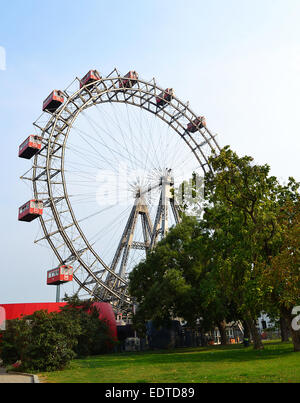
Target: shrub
x=42 y=342
x=14 y=341
x=49 y=341
x=95 y=336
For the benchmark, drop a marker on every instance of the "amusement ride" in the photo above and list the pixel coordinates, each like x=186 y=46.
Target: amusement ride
x=108 y=154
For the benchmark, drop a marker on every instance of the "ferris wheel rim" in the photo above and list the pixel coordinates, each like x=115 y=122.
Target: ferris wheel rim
x=57 y=117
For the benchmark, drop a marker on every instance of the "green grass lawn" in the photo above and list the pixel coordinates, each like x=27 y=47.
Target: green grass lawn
x=276 y=363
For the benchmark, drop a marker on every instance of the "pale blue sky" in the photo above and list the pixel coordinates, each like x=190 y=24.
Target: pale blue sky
x=236 y=61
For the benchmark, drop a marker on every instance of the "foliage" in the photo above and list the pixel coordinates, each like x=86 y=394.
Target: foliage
x=283 y=273
x=175 y=280
x=49 y=341
x=14 y=341
x=222 y=266
x=42 y=341
x=244 y=213
x=95 y=335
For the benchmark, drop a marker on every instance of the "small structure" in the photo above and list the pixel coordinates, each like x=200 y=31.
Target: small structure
x=90 y=77
x=60 y=275
x=198 y=123
x=132 y=344
x=31 y=146
x=31 y=210
x=130 y=80
x=165 y=97
x=54 y=101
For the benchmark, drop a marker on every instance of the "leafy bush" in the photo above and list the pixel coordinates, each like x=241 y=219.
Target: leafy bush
x=42 y=342
x=49 y=341
x=95 y=336
x=14 y=341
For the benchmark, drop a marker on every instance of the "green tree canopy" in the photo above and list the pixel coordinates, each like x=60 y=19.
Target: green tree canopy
x=214 y=267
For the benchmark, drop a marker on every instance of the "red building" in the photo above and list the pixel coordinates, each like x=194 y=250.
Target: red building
x=17 y=311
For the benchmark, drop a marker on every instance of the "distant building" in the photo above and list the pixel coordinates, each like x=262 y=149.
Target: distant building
x=264 y=323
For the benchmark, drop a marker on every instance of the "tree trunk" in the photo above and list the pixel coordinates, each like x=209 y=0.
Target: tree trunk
x=222 y=329
x=284 y=329
x=246 y=330
x=257 y=343
x=295 y=334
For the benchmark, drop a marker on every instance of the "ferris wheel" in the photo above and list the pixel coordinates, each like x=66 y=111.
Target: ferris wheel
x=108 y=154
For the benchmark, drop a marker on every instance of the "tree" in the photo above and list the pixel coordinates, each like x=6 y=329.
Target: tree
x=14 y=341
x=174 y=280
x=216 y=267
x=95 y=334
x=161 y=283
x=282 y=274
x=243 y=213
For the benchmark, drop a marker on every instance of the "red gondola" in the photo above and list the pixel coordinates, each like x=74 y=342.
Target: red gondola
x=61 y=275
x=165 y=97
x=54 y=101
x=130 y=80
x=90 y=77
x=31 y=210
x=198 y=123
x=30 y=147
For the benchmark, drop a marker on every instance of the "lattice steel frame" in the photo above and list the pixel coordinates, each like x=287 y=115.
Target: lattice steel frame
x=62 y=230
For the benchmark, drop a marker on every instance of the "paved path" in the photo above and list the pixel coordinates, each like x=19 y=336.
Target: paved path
x=15 y=378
